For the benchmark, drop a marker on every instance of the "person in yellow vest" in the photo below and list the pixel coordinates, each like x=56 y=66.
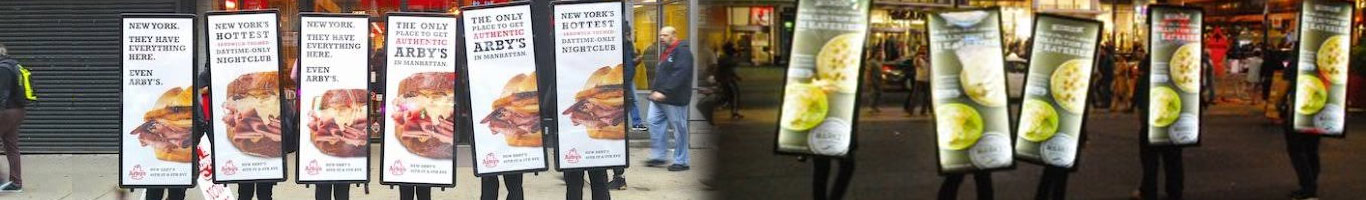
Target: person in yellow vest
x=13 y=98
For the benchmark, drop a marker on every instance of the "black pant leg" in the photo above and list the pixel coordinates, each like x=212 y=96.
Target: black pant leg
x=619 y=172
x=597 y=183
x=341 y=191
x=1060 y=184
x=175 y=194
x=514 y=185
x=1147 y=188
x=405 y=192
x=322 y=191
x=1045 y=187
x=948 y=190
x=264 y=191
x=245 y=191
x=985 y=190
x=155 y=193
x=820 y=178
x=1305 y=158
x=423 y=193
x=573 y=181
x=1171 y=158
x=842 y=179
x=488 y=189
x=1302 y=151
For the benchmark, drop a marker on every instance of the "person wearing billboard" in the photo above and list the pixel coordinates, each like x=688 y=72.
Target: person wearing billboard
x=597 y=184
x=414 y=193
x=671 y=92
x=488 y=189
x=1150 y=156
x=13 y=100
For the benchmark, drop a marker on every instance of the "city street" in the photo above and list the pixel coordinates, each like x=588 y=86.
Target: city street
x=1242 y=156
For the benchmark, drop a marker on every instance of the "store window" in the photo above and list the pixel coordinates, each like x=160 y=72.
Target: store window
x=648 y=16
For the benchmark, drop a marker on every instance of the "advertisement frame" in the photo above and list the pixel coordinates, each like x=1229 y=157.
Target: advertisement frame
x=462 y=72
x=858 y=101
x=929 y=33
x=459 y=47
x=194 y=78
x=555 y=120
x=1086 y=109
x=279 y=67
x=1289 y=121
x=1147 y=75
x=368 y=111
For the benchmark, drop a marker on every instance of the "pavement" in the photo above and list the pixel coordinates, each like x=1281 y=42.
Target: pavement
x=95 y=177
x=1242 y=156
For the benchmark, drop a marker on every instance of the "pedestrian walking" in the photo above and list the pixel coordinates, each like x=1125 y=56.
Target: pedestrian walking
x=670 y=95
x=14 y=99
x=332 y=191
x=948 y=190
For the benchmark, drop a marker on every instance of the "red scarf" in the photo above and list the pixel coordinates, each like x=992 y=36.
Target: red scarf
x=668 y=51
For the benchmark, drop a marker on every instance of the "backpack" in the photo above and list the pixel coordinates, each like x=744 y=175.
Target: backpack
x=24 y=81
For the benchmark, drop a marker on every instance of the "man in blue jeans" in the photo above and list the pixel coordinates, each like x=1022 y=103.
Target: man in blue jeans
x=671 y=92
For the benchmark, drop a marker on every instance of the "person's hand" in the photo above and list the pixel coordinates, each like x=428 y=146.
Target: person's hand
x=656 y=96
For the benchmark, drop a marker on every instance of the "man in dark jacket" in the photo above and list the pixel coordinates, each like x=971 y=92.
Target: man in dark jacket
x=671 y=91
x=12 y=99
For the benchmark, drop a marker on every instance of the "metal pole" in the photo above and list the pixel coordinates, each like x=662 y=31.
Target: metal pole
x=1266 y=26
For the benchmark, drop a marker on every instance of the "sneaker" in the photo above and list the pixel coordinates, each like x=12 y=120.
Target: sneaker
x=655 y=163
x=617 y=183
x=678 y=167
x=639 y=127
x=10 y=187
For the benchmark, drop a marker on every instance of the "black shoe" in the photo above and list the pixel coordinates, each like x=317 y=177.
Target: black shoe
x=617 y=183
x=10 y=187
x=1299 y=195
x=678 y=167
x=655 y=163
x=639 y=128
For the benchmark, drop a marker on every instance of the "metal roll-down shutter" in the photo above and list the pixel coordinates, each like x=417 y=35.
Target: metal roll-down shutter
x=72 y=48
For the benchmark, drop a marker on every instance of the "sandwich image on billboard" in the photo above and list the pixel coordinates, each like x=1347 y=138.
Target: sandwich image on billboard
x=504 y=97
x=819 y=97
x=1321 y=79
x=244 y=61
x=423 y=122
x=1173 y=115
x=334 y=136
x=419 y=101
x=516 y=113
x=589 y=81
x=967 y=84
x=1061 y=61
x=157 y=111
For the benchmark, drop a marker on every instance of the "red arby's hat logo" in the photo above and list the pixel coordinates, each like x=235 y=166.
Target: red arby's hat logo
x=491 y=160
x=572 y=156
x=397 y=168
x=229 y=168
x=136 y=173
x=313 y=167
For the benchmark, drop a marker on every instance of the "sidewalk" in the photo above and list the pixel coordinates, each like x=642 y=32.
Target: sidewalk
x=94 y=177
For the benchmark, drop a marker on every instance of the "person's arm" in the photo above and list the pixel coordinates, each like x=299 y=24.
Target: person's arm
x=6 y=85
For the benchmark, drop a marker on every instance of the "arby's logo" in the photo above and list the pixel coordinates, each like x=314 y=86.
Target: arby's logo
x=491 y=160
x=229 y=168
x=572 y=156
x=136 y=173
x=313 y=167
x=397 y=168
